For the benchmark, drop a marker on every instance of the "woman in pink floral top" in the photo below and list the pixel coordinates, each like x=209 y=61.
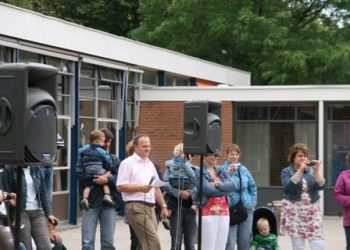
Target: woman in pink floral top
x=301 y=218
x=215 y=215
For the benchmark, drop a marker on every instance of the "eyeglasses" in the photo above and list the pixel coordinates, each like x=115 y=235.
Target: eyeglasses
x=215 y=155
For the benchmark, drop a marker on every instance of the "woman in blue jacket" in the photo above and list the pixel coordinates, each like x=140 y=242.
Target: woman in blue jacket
x=301 y=217
x=215 y=214
x=241 y=233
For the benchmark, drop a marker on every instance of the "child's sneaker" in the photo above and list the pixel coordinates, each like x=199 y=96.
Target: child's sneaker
x=166 y=224
x=108 y=200
x=85 y=204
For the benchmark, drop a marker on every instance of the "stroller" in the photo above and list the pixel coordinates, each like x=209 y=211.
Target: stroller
x=265 y=212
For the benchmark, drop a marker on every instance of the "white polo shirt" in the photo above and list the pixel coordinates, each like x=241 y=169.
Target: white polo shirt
x=135 y=170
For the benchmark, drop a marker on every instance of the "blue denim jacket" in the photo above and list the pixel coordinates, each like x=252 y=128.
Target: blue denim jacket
x=178 y=167
x=226 y=185
x=249 y=190
x=292 y=191
x=9 y=185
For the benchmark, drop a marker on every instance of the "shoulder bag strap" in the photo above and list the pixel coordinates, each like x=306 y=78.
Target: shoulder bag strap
x=240 y=184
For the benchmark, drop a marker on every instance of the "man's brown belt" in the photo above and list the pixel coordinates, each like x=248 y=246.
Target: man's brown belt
x=148 y=204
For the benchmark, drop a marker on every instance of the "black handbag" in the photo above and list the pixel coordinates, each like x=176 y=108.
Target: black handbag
x=238 y=213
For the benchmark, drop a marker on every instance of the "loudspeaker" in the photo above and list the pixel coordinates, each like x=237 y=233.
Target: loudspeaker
x=28 y=121
x=202 y=127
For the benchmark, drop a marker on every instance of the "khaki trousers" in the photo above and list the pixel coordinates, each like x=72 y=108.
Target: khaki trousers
x=142 y=219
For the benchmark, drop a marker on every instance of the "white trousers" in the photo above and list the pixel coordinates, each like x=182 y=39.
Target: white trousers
x=299 y=244
x=214 y=232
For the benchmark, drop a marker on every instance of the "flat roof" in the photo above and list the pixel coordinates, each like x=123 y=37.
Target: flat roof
x=294 y=93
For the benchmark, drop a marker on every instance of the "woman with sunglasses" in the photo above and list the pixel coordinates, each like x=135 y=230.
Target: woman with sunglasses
x=215 y=214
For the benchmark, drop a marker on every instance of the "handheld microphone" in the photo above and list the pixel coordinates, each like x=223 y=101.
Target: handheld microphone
x=151 y=180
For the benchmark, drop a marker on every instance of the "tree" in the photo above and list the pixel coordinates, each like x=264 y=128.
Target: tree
x=116 y=16
x=280 y=42
x=26 y=4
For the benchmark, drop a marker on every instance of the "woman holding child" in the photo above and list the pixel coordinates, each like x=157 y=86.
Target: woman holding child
x=179 y=173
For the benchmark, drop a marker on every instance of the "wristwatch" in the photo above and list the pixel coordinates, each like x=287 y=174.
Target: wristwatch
x=164 y=206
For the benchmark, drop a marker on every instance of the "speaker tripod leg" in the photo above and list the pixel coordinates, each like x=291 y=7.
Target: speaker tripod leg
x=18 y=205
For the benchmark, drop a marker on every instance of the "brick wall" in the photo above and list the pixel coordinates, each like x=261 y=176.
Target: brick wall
x=163 y=122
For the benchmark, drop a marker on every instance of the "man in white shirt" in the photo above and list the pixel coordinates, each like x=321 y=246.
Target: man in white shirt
x=135 y=176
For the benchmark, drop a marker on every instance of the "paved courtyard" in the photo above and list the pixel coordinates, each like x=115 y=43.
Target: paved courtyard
x=335 y=239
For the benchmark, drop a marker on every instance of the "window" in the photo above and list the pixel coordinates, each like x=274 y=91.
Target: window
x=100 y=99
x=113 y=127
x=132 y=100
x=65 y=83
x=87 y=102
x=87 y=92
x=110 y=93
x=61 y=167
x=26 y=56
x=338 y=112
x=150 y=77
x=265 y=133
x=174 y=80
x=64 y=102
x=246 y=113
x=63 y=66
x=337 y=139
x=5 y=54
x=86 y=126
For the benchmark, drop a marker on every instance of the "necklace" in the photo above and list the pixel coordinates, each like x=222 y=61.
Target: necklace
x=212 y=172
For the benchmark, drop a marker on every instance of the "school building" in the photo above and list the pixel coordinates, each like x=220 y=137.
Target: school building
x=131 y=87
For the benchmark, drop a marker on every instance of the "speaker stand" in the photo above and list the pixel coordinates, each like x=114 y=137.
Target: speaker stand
x=199 y=238
x=18 y=205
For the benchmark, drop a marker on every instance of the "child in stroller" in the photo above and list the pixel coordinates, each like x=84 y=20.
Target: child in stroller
x=264 y=230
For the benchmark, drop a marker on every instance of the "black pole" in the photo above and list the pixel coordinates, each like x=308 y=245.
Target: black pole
x=199 y=238
x=18 y=205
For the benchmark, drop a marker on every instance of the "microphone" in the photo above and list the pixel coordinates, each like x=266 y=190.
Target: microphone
x=151 y=180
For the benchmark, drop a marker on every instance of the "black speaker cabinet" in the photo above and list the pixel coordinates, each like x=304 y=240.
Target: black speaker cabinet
x=202 y=127
x=28 y=121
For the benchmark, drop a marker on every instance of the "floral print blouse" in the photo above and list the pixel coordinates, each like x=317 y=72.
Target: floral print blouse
x=216 y=205
x=302 y=218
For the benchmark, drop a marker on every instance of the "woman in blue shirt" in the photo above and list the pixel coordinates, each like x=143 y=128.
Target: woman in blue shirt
x=240 y=233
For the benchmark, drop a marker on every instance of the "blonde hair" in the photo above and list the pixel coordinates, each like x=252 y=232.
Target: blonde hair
x=178 y=149
x=262 y=222
x=129 y=148
x=97 y=135
x=232 y=147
